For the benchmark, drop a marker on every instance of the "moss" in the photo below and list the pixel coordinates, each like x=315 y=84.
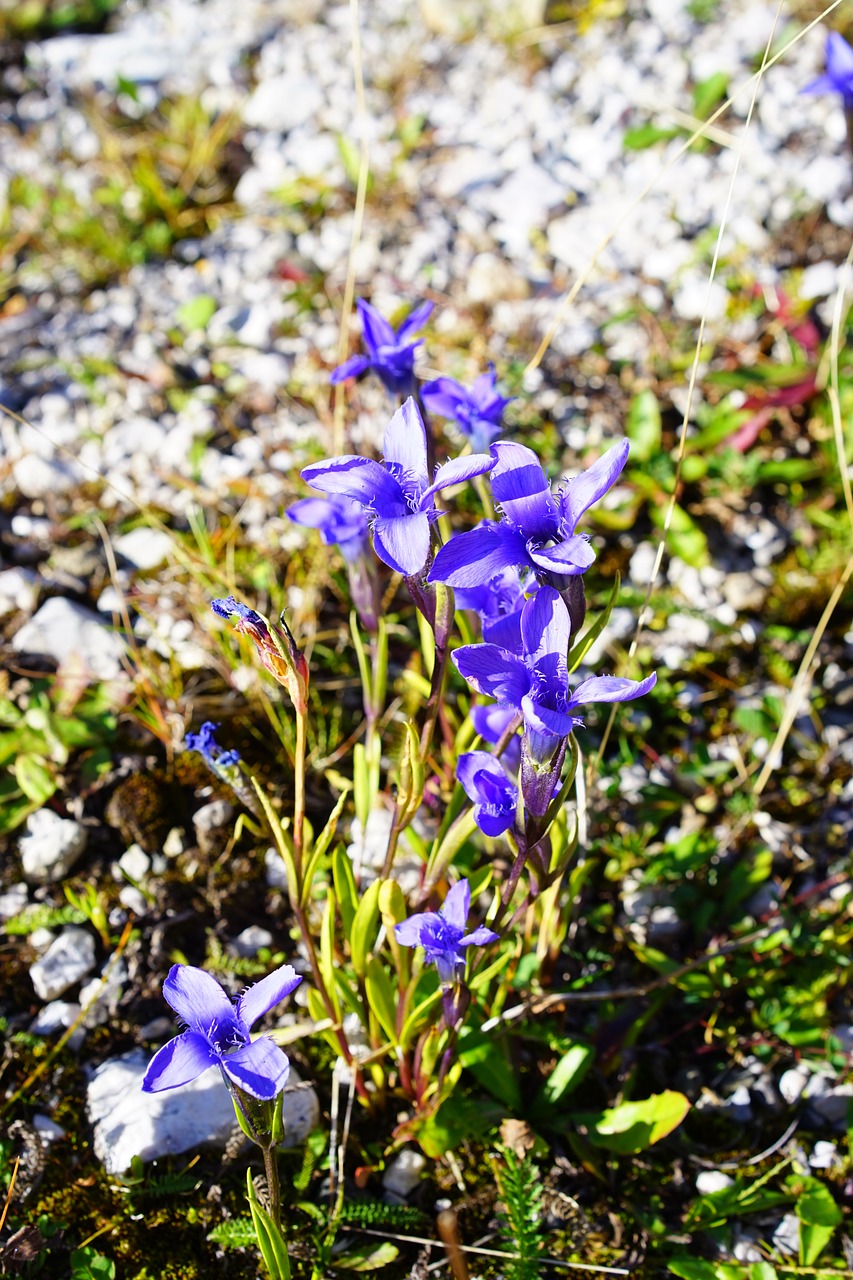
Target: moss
x=144 y=808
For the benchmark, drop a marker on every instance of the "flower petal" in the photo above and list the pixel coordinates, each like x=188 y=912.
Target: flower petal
x=610 y=689
x=415 y=320
x=197 y=999
x=349 y=369
x=468 y=768
x=362 y=479
x=457 y=904
x=376 y=329
x=457 y=471
x=260 y=1067
x=179 y=1062
x=548 y=721
x=404 y=445
x=546 y=630
x=410 y=932
x=568 y=558
x=839 y=61
x=479 y=937
x=494 y=672
x=521 y=489
x=579 y=494
x=402 y=542
x=472 y=558
x=262 y=996
x=491 y=823
x=444 y=396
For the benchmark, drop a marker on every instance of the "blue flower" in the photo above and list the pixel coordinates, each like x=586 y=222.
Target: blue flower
x=498 y=603
x=276 y=646
x=219 y=1033
x=477 y=413
x=397 y=494
x=341 y=521
x=537 y=682
x=491 y=723
x=390 y=353
x=838 y=77
x=442 y=934
x=487 y=784
x=214 y=756
x=537 y=529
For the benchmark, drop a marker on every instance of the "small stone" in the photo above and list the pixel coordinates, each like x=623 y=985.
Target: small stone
x=404 y=1172
x=745 y=1246
x=48 y=1130
x=62 y=628
x=832 y=1106
x=824 y=1156
x=99 y=997
x=174 y=845
x=276 y=871
x=133 y=899
x=144 y=548
x=68 y=959
x=128 y=1122
x=50 y=846
x=786 y=1237
x=59 y=1015
x=13 y=901
x=711 y=1180
x=40 y=939
x=738 y=1104
x=134 y=863
x=491 y=279
x=251 y=940
x=210 y=822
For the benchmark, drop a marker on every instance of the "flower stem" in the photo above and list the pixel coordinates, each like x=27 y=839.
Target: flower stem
x=299 y=790
x=273 y=1187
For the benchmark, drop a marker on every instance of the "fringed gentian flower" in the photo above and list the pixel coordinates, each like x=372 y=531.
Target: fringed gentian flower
x=491 y=723
x=397 y=494
x=477 y=413
x=442 y=934
x=390 y=353
x=219 y=1033
x=537 y=529
x=214 y=756
x=838 y=77
x=275 y=645
x=537 y=684
x=498 y=604
x=340 y=521
x=494 y=794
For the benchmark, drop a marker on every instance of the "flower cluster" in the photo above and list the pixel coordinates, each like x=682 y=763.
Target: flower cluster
x=442 y=934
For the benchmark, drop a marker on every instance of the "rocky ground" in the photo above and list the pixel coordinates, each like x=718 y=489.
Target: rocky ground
x=178 y=198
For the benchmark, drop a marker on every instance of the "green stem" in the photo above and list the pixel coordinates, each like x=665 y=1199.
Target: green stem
x=299 y=790
x=273 y=1187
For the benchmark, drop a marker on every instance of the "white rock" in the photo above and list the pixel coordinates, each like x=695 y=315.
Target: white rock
x=37 y=476
x=100 y=996
x=276 y=871
x=819 y=280
x=68 y=959
x=251 y=940
x=62 y=628
x=145 y=548
x=13 y=901
x=404 y=1172
x=786 y=1237
x=18 y=590
x=48 y=1130
x=56 y=1016
x=131 y=1123
x=133 y=863
x=50 y=846
x=173 y=845
x=831 y=1106
x=211 y=816
x=711 y=1180
x=824 y=1156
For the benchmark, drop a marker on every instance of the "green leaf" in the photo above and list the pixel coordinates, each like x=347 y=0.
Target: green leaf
x=368 y=1257
x=634 y=1126
x=457 y=1118
x=819 y=1215
x=321 y=845
x=646 y=135
x=197 y=313
x=762 y=1271
x=643 y=427
x=708 y=94
x=270 y=1242
x=568 y=1073
x=381 y=997
x=692 y=1269
x=364 y=927
x=88 y=1264
x=486 y=1059
x=345 y=888
x=35 y=779
x=327 y=949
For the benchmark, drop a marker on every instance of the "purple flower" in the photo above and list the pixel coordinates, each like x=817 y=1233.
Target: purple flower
x=341 y=521
x=487 y=784
x=537 y=529
x=498 y=603
x=390 y=353
x=219 y=1033
x=397 y=494
x=214 y=756
x=838 y=77
x=537 y=682
x=477 y=413
x=442 y=933
x=491 y=723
